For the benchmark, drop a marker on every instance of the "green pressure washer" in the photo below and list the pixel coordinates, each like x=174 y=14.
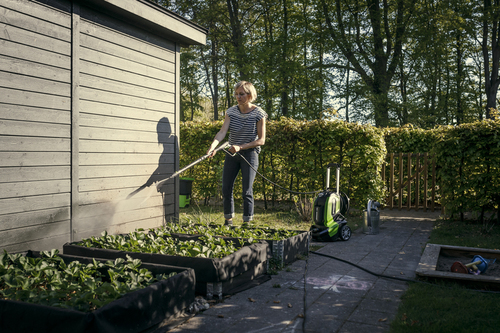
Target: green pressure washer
x=329 y=223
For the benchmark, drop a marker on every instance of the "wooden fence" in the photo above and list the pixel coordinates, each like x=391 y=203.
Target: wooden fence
x=410 y=180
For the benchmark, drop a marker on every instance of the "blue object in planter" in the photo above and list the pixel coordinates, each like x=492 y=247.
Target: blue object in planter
x=483 y=266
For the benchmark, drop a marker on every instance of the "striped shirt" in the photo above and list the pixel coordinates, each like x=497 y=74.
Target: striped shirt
x=243 y=126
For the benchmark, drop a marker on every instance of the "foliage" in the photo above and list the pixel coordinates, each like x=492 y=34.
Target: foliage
x=295 y=157
x=250 y=234
x=195 y=138
x=297 y=152
x=304 y=207
x=159 y=241
x=49 y=281
x=409 y=139
x=387 y=63
x=468 y=157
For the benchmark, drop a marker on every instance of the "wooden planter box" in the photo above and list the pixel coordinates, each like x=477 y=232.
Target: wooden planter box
x=134 y=312
x=434 y=253
x=214 y=276
x=283 y=251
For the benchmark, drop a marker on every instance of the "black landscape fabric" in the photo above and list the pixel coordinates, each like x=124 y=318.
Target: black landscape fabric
x=134 y=312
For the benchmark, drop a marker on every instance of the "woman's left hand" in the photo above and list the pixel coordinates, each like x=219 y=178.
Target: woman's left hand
x=234 y=149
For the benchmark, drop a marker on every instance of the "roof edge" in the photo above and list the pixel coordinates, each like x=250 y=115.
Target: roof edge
x=156 y=18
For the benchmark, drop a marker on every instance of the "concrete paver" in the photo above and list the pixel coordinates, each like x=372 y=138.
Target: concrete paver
x=338 y=297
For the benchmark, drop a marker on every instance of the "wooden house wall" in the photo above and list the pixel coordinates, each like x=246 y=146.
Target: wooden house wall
x=126 y=126
x=35 y=125
x=87 y=116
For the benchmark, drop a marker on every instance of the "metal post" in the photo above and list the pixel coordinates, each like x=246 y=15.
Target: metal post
x=338 y=179
x=327 y=177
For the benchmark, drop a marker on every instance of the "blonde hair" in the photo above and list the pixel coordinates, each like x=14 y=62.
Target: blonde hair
x=248 y=88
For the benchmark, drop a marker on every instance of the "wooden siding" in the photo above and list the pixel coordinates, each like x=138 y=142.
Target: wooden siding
x=35 y=125
x=88 y=114
x=125 y=126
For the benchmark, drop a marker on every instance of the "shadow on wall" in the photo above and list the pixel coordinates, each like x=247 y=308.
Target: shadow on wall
x=165 y=165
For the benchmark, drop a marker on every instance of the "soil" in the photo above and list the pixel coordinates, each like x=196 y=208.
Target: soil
x=444 y=264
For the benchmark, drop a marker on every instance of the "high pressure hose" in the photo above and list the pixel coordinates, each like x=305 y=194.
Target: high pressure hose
x=344 y=203
x=270 y=181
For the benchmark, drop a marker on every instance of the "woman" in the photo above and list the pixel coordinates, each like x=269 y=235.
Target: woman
x=246 y=123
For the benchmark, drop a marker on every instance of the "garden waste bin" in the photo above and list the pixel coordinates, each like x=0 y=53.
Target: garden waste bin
x=185 y=186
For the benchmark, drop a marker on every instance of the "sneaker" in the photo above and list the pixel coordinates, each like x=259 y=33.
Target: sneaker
x=229 y=223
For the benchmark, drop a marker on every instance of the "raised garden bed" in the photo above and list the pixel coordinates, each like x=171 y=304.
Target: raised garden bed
x=133 y=311
x=436 y=262
x=235 y=267
x=284 y=245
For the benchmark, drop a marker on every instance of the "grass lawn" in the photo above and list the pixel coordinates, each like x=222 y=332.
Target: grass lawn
x=447 y=306
x=283 y=215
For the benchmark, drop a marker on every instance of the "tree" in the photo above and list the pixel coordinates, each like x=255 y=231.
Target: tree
x=374 y=51
x=491 y=52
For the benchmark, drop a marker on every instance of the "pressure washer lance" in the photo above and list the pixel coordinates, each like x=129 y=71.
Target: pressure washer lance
x=158 y=184
x=161 y=182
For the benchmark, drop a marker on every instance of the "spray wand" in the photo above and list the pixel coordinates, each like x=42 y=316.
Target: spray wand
x=161 y=182
x=175 y=174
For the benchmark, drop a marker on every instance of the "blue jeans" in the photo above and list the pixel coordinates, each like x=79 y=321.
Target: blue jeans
x=232 y=166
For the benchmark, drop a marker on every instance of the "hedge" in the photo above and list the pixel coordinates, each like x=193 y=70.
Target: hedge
x=468 y=159
x=295 y=156
x=297 y=152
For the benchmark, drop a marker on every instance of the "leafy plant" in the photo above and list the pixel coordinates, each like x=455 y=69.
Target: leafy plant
x=275 y=265
x=49 y=281
x=251 y=234
x=304 y=207
x=159 y=241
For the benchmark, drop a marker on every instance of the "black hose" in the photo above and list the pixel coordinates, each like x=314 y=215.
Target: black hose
x=344 y=203
x=392 y=277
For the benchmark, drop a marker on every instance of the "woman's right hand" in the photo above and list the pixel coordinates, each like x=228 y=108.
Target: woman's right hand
x=211 y=151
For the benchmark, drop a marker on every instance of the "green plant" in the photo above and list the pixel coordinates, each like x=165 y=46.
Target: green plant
x=159 y=241
x=304 y=207
x=275 y=265
x=251 y=234
x=468 y=157
x=49 y=281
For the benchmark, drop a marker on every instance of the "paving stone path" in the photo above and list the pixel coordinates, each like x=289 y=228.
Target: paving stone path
x=339 y=297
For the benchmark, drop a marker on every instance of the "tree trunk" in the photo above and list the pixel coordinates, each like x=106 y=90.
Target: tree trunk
x=460 y=110
x=237 y=38
x=215 y=80
x=284 y=74
x=385 y=47
x=491 y=76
